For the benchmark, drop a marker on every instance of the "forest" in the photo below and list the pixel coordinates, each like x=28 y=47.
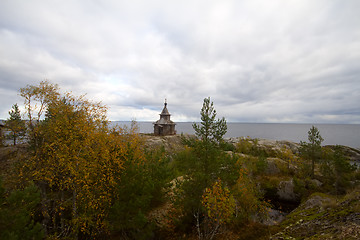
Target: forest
x=69 y=174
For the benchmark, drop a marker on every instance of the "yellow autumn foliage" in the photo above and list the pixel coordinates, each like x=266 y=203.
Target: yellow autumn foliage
x=219 y=203
x=78 y=159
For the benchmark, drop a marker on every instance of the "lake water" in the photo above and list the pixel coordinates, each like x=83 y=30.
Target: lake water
x=341 y=134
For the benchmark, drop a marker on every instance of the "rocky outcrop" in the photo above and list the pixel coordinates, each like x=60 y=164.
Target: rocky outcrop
x=324 y=217
x=319 y=217
x=277 y=146
x=351 y=153
x=274 y=217
x=274 y=166
x=286 y=192
x=268 y=146
x=171 y=143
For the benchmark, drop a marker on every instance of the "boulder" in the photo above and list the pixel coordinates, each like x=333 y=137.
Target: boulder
x=272 y=166
x=274 y=217
x=315 y=201
x=286 y=192
x=171 y=143
x=316 y=183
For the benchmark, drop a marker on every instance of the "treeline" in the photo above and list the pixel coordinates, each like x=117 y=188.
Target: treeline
x=78 y=178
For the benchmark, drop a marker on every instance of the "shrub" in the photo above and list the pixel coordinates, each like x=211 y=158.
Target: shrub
x=261 y=165
x=226 y=146
x=244 y=145
x=357 y=174
x=299 y=186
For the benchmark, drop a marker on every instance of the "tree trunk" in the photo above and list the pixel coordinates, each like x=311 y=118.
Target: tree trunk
x=44 y=207
x=74 y=204
x=62 y=226
x=196 y=215
x=76 y=231
x=215 y=231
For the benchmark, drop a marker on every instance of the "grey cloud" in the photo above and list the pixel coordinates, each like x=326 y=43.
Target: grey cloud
x=258 y=60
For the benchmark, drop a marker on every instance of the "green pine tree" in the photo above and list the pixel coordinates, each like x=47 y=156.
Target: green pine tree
x=18 y=212
x=311 y=151
x=210 y=130
x=342 y=171
x=15 y=124
x=142 y=189
x=202 y=164
x=1 y=135
x=206 y=153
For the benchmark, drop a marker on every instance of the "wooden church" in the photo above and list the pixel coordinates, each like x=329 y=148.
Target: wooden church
x=164 y=126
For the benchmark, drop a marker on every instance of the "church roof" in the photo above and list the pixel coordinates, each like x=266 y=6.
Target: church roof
x=163 y=121
x=165 y=111
x=164 y=117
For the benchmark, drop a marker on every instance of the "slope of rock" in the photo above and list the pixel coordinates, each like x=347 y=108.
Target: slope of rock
x=324 y=217
x=172 y=143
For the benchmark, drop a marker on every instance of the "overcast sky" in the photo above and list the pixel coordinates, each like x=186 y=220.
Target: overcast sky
x=259 y=60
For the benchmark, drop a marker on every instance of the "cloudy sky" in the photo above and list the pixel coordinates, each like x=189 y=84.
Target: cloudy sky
x=259 y=60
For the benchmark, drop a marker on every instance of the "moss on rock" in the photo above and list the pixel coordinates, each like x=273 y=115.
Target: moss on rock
x=323 y=217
